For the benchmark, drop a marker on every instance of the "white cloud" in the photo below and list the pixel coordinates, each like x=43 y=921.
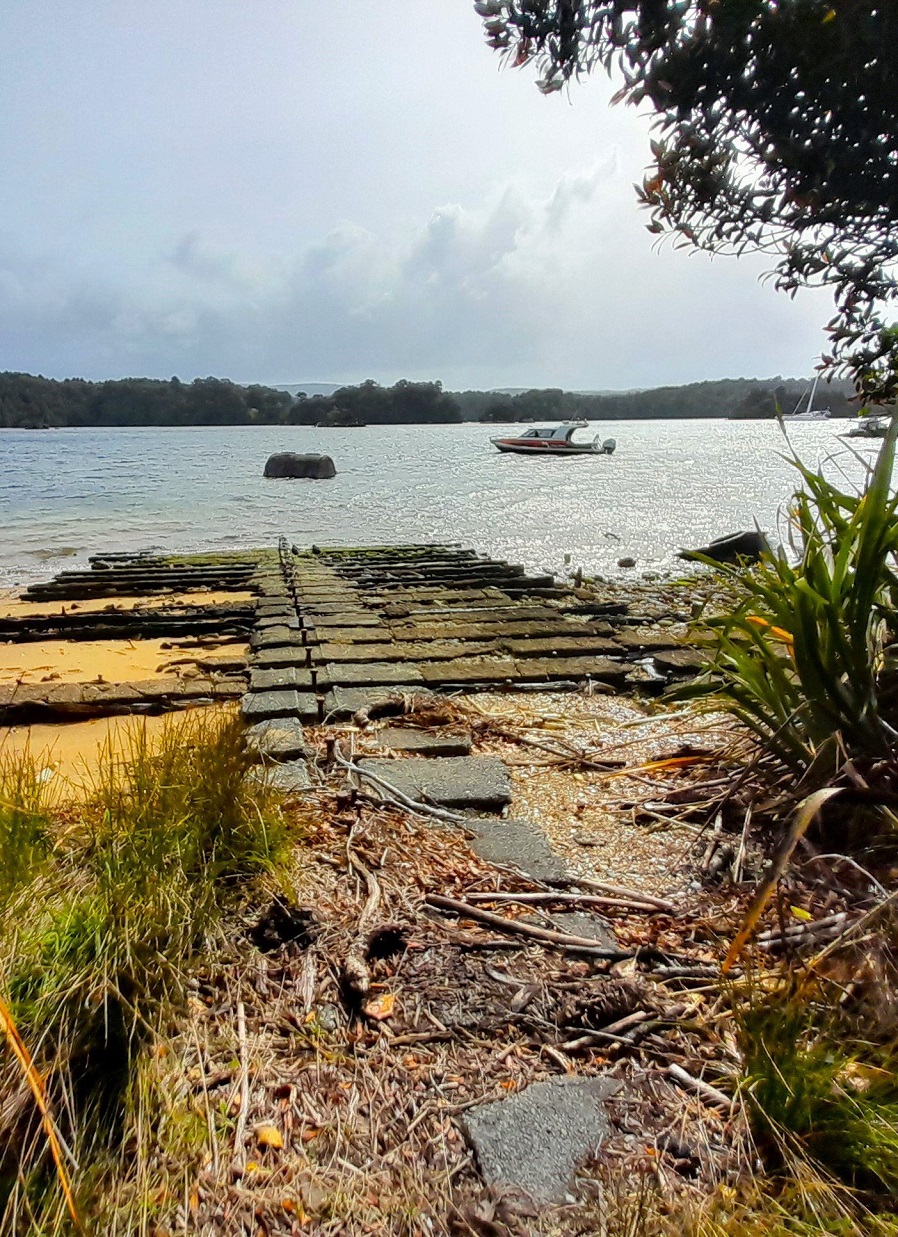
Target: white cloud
x=563 y=289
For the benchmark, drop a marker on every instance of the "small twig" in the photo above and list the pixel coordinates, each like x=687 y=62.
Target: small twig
x=618 y=891
x=567 y=899
x=739 y=858
x=545 y=935
x=702 y=1089
x=240 y=1131
x=612 y=1032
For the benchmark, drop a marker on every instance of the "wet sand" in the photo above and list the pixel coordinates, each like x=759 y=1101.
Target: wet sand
x=107 y=661
x=68 y=755
x=12 y=605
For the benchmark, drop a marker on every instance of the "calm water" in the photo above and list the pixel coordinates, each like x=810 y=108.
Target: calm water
x=65 y=494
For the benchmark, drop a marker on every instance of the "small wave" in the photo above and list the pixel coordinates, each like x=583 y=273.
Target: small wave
x=63 y=551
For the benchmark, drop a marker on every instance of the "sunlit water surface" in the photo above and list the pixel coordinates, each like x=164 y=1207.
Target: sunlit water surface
x=65 y=494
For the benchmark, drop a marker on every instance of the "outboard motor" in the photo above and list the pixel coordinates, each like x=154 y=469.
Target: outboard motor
x=608 y=446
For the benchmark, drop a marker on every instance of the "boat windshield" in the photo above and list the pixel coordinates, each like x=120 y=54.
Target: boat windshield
x=562 y=432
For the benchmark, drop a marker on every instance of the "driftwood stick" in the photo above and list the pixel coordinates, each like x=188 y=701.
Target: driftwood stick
x=567 y=899
x=703 y=1090
x=614 y=1031
x=240 y=1131
x=618 y=891
x=546 y=935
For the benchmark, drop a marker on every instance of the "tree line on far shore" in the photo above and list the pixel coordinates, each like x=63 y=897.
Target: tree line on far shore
x=29 y=402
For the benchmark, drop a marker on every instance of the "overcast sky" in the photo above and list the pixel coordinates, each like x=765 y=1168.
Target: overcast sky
x=290 y=190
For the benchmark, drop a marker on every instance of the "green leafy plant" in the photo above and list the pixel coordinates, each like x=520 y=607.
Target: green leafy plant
x=803 y=658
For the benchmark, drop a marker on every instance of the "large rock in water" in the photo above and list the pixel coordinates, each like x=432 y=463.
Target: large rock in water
x=289 y=464
x=746 y=545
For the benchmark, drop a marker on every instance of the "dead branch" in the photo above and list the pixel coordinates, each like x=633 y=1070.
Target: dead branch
x=702 y=1089
x=566 y=899
x=546 y=935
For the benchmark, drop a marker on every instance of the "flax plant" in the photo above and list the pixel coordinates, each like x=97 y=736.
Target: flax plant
x=804 y=657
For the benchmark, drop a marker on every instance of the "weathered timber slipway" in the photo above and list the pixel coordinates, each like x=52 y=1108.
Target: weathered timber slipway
x=333 y=632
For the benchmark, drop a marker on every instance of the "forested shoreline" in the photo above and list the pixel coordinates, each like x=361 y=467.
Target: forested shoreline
x=33 y=402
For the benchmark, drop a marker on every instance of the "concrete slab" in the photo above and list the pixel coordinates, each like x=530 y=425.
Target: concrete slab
x=282 y=619
x=367 y=674
x=290 y=779
x=581 y=923
x=277 y=739
x=342 y=702
x=281 y=655
x=423 y=742
x=534 y=1140
x=346 y=618
x=496 y=669
x=475 y=782
x=550 y=645
x=682 y=661
x=328 y=651
x=356 y=635
x=518 y=844
x=259 y=706
x=275 y=637
x=539 y=669
x=278 y=677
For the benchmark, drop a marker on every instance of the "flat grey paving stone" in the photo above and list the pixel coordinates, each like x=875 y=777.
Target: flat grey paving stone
x=288 y=620
x=328 y=651
x=277 y=739
x=280 y=655
x=259 y=706
x=290 y=778
x=681 y=661
x=477 y=782
x=423 y=742
x=540 y=669
x=518 y=844
x=534 y=1140
x=342 y=636
x=581 y=923
x=341 y=702
x=277 y=677
x=347 y=618
x=497 y=669
x=367 y=674
x=275 y=637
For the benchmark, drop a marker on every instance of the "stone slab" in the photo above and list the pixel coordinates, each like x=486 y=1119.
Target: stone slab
x=259 y=706
x=356 y=635
x=547 y=646
x=281 y=655
x=681 y=661
x=290 y=778
x=539 y=669
x=423 y=742
x=476 y=782
x=535 y=1140
x=277 y=739
x=470 y=670
x=581 y=923
x=518 y=844
x=452 y=629
x=646 y=639
x=328 y=651
x=275 y=637
x=279 y=677
x=346 y=618
x=342 y=702
x=273 y=621
x=368 y=674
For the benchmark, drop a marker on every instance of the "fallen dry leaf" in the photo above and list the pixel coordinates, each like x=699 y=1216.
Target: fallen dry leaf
x=269 y=1136
x=381 y=1007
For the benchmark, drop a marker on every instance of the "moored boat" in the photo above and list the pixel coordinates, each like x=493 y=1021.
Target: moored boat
x=869 y=427
x=556 y=441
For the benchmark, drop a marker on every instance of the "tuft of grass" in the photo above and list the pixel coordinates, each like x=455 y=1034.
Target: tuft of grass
x=818 y=1094
x=24 y=824
x=99 y=934
x=804 y=658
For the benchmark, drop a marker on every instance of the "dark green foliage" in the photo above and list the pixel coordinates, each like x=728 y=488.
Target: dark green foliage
x=777 y=129
x=803 y=658
x=815 y=1089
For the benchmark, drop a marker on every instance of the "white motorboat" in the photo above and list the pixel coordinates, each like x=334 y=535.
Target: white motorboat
x=869 y=427
x=556 y=441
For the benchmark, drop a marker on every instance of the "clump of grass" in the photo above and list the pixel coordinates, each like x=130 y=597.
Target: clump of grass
x=97 y=945
x=819 y=1093
x=24 y=823
x=803 y=659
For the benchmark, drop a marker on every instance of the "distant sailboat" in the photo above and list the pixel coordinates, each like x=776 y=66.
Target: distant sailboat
x=810 y=413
